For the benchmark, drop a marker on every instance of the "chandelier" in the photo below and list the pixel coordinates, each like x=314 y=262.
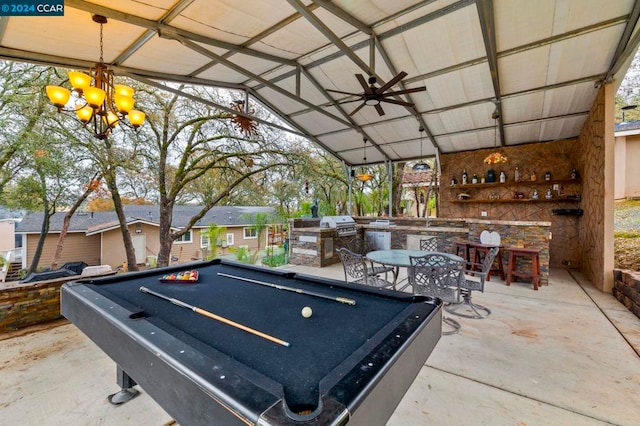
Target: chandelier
x=364 y=175
x=495 y=157
x=97 y=102
x=421 y=166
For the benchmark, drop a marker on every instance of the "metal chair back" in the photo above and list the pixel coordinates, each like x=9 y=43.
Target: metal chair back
x=356 y=269
x=437 y=275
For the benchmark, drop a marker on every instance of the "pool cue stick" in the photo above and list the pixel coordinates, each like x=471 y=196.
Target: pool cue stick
x=293 y=289
x=215 y=317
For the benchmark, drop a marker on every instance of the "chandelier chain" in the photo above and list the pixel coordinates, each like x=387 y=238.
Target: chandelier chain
x=101 y=45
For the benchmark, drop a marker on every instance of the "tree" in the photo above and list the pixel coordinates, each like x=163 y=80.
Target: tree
x=92 y=186
x=185 y=142
x=213 y=233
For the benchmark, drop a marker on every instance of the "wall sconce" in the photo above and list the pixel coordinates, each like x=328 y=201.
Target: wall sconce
x=138 y=228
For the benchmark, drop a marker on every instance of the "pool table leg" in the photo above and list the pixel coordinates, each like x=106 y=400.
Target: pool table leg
x=127 y=392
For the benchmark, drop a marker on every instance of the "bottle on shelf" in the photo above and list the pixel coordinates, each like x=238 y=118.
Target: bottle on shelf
x=535 y=194
x=533 y=176
x=464 y=177
x=453 y=181
x=547 y=176
x=503 y=177
x=548 y=195
x=491 y=176
x=575 y=174
x=516 y=175
x=474 y=178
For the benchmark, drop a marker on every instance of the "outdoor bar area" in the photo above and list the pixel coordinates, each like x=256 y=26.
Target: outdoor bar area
x=538 y=204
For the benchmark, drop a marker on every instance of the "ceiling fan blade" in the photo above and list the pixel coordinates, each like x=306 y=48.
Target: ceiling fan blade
x=343 y=93
x=348 y=101
x=364 y=83
x=391 y=82
x=380 y=110
x=393 y=101
x=405 y=91
x=357 y=109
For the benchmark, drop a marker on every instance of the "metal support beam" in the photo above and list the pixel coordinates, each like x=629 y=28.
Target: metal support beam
x=487 y=24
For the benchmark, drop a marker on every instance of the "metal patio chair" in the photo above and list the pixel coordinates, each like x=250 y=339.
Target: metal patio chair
x=438 y=275
x=357 y=270
x=475 y=283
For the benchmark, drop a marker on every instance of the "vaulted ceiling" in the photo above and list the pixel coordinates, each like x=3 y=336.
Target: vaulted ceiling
x=533 y=65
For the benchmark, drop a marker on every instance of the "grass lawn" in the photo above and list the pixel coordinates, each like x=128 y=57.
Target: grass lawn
x=627 y=235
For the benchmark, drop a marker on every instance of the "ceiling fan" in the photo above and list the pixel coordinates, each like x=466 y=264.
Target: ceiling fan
x=373 y=95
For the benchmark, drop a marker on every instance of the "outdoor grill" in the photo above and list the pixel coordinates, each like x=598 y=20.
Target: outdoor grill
x=345 y=226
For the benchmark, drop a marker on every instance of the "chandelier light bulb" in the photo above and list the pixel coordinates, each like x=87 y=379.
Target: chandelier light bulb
x=136 y=118
x=112 y=119
x=122 y=90
x=85 y=114
x=59 y=96
x=79 y=80
x=124 y=103
x=94 y=97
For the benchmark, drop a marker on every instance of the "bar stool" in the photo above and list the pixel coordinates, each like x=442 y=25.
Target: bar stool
x=479 y=252
x=465 y=247
x=526 y=253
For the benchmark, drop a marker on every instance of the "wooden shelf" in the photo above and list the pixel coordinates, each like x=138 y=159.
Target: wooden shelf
x=512 y=183
x=521 y=200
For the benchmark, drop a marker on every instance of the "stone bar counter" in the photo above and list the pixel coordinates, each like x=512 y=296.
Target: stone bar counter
x=527 y=234
x=314 y=246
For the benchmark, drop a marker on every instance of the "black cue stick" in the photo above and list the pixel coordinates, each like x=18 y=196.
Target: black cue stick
x=214 y=316
x=293 y=289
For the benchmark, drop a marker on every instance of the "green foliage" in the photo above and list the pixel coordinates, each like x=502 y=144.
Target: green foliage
x=245 y=255
x=276 y=260
x=214 y=232
x=626 y=234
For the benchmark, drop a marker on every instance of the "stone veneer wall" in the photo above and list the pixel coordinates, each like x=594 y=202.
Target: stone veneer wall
x=626 y=288
x=558 y=157
x=592 y=224
x=529 y=234
x=30 y=304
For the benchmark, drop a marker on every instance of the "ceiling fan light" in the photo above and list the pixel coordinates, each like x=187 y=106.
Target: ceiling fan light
x=79 y=80
x=59 y=96
x=372 y=102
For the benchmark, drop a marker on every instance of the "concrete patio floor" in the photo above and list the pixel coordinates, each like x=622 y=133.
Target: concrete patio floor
x=564 y=355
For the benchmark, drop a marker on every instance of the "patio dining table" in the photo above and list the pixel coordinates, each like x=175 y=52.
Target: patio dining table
x=401 y=258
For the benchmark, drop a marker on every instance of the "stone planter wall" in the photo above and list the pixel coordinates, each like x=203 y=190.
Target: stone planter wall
x=30 y=304
x=626 y=288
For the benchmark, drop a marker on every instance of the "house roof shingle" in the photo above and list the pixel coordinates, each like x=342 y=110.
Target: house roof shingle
x=84 y=221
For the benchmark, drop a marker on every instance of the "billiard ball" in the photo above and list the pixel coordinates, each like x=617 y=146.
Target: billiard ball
x=306 y=312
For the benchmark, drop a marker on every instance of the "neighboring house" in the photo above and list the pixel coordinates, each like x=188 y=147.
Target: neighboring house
x=95 y=237
x=414 y=189
x=8 y=238
x=627 y=153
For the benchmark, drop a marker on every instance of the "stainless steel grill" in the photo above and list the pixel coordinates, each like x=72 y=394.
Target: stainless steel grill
x=345 y=226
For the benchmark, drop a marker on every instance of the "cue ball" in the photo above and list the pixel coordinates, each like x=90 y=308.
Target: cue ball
x=306 y=312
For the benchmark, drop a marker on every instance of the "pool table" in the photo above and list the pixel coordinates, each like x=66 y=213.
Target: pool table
x=346 y=363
